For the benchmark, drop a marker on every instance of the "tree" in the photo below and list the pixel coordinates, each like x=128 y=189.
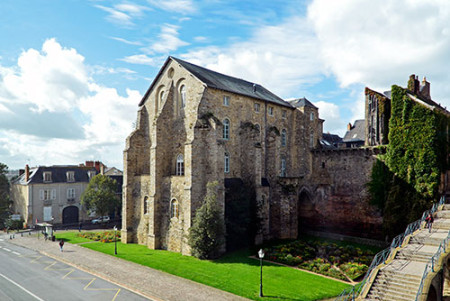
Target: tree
x=5 y=201
x=100 y=195
x=207 y=234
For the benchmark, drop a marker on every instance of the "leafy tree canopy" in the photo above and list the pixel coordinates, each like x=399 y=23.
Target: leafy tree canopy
x=5 y=201
x=100 y=195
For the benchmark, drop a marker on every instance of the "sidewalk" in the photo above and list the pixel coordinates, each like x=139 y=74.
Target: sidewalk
x=145 y=281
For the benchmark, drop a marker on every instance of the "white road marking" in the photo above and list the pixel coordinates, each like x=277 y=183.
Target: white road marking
x=1 y=239
x=14 y=252
x=8 y=250
x=18 y=285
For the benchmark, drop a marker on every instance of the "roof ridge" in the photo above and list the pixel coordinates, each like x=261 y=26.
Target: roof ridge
x=210 y=70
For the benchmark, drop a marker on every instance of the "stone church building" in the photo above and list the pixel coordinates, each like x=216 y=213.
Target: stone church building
x=195 y=126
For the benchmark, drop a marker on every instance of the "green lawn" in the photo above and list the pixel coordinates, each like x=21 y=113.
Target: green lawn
x=235 y=272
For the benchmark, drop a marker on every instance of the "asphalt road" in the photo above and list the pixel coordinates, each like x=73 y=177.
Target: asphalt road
x=27 y=275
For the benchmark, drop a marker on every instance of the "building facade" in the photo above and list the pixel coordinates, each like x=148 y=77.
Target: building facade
x=195 y=126
x=51 y=194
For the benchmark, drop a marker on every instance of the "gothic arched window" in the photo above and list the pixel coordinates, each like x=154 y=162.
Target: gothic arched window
x=180 y=165
x=226 y=129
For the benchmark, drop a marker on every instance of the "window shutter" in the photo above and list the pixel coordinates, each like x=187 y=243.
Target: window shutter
x=53 y=194
x=41 y=194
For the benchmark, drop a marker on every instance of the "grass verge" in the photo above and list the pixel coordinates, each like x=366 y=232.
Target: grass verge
x=235 y=272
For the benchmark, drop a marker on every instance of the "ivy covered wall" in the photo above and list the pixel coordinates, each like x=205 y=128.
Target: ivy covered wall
x=406 y=180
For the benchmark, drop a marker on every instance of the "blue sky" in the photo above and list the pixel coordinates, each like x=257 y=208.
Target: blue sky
x=72 y=72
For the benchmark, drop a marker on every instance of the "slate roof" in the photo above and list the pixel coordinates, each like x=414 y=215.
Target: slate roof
x=223 y=82
x=357 y=133
x=302 y=102
x=330 y=141
x=58 y=174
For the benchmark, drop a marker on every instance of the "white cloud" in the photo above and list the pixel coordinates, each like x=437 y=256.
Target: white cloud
x=380 y=43
x=282 y=58
x=168 y=40
x=177 y=6
x=40 y=81
x=330 y=113
x=49 y=103
x=141 y=59
x=200 y=39
x=123 y=14
x=127 y=42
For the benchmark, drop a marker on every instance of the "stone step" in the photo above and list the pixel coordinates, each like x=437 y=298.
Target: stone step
x=390 y=275
x=398 y=285
x=397 y=282
x=392 y=297
x=415 y=258
x=391 y=292
x=426 y=240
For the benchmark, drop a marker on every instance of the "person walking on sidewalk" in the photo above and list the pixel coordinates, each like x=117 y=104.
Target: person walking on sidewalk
x=61 y=245
x=429 y=221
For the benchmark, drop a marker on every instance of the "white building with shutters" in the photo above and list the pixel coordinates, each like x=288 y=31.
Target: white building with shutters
x=51 y=194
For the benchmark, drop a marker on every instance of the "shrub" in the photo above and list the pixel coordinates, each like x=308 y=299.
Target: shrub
x=206 y=236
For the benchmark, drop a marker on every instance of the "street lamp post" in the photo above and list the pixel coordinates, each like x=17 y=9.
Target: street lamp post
x=261 y=256
x=115 y=240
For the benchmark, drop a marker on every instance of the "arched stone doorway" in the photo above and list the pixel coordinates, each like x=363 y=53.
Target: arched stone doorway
x=70 y=215
x=306 y=212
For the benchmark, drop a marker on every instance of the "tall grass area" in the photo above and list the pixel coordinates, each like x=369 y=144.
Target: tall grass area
x=235 y=272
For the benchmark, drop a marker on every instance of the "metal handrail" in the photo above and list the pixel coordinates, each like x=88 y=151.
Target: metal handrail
x=382 y=256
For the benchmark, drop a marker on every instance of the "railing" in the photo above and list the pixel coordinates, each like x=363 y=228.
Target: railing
x=381 y=257
x=432 y=263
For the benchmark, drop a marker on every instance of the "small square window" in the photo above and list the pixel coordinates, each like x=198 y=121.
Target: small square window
x=226 y=101
x=257 y=107
x=270 y=111
x=284 y=114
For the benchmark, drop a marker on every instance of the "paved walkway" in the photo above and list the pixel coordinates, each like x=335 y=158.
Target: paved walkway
x=153 y=284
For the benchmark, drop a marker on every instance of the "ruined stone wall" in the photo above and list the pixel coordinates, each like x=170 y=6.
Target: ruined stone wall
x=333 y=198
x=339 y=193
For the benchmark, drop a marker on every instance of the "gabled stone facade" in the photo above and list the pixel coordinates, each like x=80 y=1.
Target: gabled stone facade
x=212 y=131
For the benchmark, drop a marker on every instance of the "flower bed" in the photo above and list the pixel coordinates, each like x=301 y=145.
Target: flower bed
x=105 y=236
x=327 y=258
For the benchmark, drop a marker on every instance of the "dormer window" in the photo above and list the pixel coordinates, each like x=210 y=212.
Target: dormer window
x=91 y=174
x=70 y=176
x=47 y=176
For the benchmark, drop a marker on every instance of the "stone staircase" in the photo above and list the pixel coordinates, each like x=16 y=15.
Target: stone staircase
x=400 y=279
x=394 y=286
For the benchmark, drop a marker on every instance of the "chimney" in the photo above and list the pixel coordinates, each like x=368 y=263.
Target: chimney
x=425 y=89
x=102 y=168
x=97 y=165
x=414 y=84
x=349 y=126
x=254 y=88
x=27 y=173
x=89 y=163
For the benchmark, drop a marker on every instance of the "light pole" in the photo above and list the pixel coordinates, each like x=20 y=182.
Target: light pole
x=115 y=240
x=261 y=256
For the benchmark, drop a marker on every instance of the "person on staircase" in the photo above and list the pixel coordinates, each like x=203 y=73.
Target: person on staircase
x=429 y=221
